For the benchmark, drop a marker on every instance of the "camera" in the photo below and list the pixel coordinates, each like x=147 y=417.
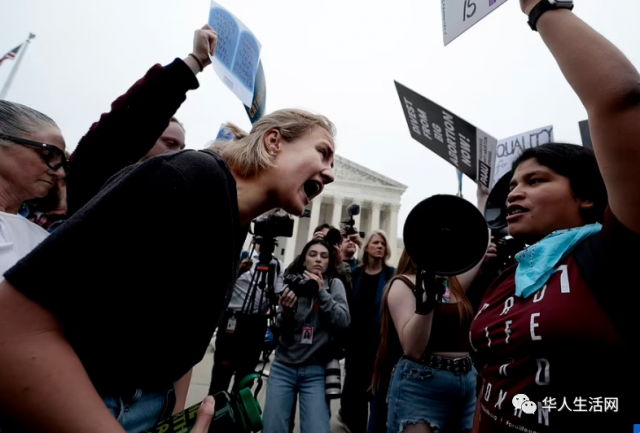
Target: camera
x=302 y=287
x=348 y=225
x=273 y=226
x=333 y=381
x=333 y=237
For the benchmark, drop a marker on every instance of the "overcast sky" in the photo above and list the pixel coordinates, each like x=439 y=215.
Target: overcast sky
x=335 y=57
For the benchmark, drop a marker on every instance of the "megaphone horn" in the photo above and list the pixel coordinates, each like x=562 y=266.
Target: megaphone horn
x=496 y=207
x=446 y=235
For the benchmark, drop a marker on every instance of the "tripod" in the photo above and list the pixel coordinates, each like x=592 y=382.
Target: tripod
x=250 y=322
x=240 y=340
x=263 y=277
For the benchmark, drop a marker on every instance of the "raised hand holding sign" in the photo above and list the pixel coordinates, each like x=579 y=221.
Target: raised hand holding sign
x=238 y=54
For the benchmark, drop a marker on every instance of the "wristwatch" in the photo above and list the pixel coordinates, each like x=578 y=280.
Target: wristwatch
x=545 y=6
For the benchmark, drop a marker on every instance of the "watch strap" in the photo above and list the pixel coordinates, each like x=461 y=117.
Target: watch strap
x=541 y=8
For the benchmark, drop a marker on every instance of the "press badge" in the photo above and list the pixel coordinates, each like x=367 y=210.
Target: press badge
x=307 y=335
x=231 y=325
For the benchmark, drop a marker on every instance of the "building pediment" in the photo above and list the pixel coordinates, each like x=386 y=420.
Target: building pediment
x=350 y=172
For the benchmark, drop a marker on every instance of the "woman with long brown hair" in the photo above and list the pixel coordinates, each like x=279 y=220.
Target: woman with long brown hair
x=365 y=305
x=433 y=384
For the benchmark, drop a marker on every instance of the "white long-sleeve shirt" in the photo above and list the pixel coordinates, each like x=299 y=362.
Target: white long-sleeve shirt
x=242 y=286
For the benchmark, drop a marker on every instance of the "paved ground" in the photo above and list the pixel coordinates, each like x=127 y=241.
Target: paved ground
x=200 y=385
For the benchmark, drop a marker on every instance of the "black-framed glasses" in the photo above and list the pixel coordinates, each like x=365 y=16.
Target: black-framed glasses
x=52 y=155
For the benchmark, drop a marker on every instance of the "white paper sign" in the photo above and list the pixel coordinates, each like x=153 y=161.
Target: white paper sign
x=460 y=15
x=509 y=149
x=237 y=55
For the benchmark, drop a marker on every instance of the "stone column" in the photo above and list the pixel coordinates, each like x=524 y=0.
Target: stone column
x=375 y=216
x=315 y=217
x=337 y=211
x=290 y=250
x=393 y=227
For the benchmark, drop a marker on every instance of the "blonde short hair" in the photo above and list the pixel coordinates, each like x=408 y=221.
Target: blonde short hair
x=247 y=154
x=364 y=260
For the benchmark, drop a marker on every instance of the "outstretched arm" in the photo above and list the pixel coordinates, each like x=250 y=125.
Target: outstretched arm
x=137 y=119
x=609 y=87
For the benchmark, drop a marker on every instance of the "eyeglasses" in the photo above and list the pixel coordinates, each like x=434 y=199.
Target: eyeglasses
x=52 y=155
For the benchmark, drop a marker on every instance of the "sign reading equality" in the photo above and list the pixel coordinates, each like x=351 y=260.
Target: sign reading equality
x=511 y=148
x=458 y=16
x=467 y=148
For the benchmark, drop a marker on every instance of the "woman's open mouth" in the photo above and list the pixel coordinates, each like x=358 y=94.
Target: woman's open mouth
x=312 y=188
x=515 y=211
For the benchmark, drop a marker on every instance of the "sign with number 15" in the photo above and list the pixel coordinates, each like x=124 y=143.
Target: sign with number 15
x=460 y=15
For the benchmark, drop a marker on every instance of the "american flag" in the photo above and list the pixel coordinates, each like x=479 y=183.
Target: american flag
x=11 y=54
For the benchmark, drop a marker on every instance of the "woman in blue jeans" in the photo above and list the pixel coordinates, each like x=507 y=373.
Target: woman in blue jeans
x=433 y=384
x=306 y=324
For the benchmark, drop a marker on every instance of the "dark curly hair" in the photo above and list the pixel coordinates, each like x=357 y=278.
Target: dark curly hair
x=332 y=269
x=579 y=165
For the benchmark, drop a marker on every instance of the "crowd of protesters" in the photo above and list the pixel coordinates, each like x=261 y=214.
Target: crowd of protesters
x=106 y=308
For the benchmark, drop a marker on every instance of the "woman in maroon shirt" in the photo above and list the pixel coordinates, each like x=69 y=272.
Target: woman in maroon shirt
x=551 y=344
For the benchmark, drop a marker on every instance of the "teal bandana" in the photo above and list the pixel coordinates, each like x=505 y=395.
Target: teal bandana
x=537 y=262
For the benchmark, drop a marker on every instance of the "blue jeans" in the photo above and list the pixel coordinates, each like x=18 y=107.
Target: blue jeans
x=142 y=410
x=284 y=383
x=136 y=413
x=439 y=398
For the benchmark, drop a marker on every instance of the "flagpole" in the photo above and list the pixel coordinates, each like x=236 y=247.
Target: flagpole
x=12 y=75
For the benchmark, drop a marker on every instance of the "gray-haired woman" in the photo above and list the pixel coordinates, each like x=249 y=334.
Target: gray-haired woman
x=32 y=161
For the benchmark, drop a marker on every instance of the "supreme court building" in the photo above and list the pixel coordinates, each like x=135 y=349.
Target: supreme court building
x=379 y=200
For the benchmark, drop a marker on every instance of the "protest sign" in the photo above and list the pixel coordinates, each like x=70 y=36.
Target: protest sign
x=256 y=110
x=224 y=134
x=460 y=15
x=237 y=55
x=585 y=133
x=466 y=147
x=509 y=149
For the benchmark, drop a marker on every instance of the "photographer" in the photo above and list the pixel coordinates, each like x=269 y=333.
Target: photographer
x=344 y=269
x=560 y=328
x=350 y=245
x=143 y=325
x=240 y=336
x=307 y=323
